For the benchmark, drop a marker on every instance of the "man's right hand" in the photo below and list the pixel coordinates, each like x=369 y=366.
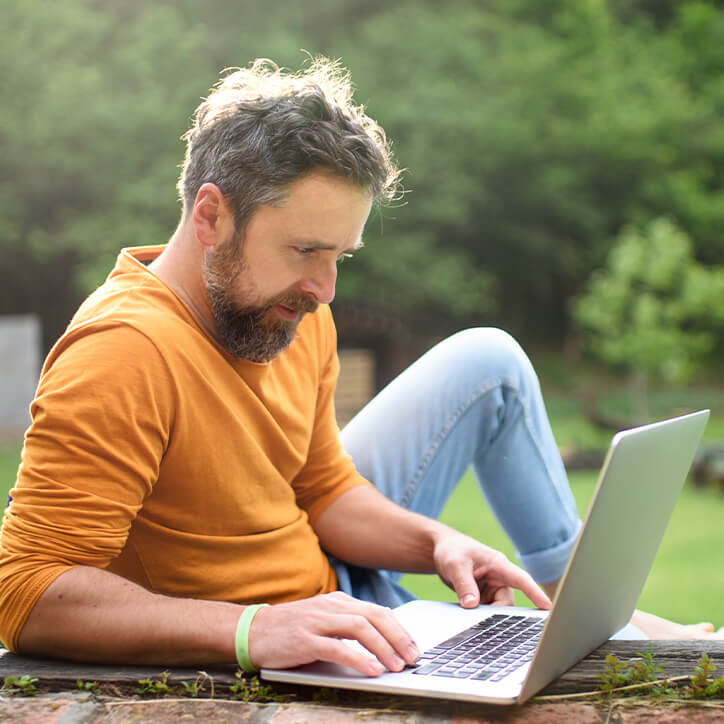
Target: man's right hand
x=300 y=632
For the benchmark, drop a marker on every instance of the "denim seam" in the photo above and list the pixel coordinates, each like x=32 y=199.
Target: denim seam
x=574 y=519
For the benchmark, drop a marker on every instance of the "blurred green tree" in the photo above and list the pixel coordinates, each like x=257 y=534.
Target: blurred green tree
x=531 y=130
x=90 y=124
x=652 y=309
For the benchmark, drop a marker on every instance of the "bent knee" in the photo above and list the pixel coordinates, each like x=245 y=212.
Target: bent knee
x=492 y=351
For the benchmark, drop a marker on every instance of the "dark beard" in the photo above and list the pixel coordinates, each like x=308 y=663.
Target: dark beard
x=250 y=333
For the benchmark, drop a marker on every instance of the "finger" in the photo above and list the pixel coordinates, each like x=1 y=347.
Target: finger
x=534 y=592
x=503 y=596
x=381 y=617
x=359 y=628
x=461 y=579
x=337 y=652
x=511 y=575
x=394 y=633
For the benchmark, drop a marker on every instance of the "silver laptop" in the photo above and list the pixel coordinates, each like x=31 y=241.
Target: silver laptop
x=504 y=655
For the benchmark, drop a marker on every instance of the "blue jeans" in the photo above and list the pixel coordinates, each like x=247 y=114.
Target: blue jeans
x=473 y=399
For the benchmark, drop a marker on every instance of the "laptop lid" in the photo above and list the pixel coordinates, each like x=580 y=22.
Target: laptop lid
x=637 y=488
x=639 y=484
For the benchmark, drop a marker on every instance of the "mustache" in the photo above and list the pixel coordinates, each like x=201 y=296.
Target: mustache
x=297 y=302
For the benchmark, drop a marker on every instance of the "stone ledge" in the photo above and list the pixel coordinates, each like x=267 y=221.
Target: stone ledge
x=65 y=708
x=297 y=705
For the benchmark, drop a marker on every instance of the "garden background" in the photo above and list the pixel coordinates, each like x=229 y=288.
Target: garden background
x=565 y=181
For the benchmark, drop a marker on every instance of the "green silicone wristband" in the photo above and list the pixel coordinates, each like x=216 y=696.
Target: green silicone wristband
x=242 y=637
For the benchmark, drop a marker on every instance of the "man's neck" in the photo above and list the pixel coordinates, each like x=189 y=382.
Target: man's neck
x=180 y=266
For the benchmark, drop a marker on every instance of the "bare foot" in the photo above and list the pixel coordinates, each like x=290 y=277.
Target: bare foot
x=660 y=628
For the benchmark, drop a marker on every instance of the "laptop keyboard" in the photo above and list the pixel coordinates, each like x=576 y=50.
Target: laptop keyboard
x=490 y=650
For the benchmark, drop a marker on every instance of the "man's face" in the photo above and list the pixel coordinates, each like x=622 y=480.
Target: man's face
x=285 y=266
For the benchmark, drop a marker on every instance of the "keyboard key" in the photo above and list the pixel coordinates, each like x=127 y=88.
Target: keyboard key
x=483 y=675
x=459 y=674
x=427 y=669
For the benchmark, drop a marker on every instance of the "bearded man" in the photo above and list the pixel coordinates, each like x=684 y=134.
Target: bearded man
x=184 y=468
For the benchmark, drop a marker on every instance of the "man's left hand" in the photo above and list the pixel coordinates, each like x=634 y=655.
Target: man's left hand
x=480 y=574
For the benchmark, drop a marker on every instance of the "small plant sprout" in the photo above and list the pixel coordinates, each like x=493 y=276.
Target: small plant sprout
x=150 y=687
x=614 y=674
x=702 y=683
x=196 y=687
x=25 y=685
x=250 y=690
x=86 y=686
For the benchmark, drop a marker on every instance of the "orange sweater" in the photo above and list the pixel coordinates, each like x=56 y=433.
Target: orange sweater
x=156 y=455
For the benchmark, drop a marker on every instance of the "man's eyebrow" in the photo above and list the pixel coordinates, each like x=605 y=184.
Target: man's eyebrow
x=331 y=247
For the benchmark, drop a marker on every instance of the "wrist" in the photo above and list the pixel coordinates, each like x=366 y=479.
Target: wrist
x=434 y=535
x=241 y=638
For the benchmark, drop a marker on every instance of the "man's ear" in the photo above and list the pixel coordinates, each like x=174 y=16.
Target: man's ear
x=211 y=216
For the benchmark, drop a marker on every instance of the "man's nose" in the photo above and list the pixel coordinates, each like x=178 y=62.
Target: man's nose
x=320 y=285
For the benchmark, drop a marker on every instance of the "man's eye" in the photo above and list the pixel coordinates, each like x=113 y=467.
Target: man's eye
x=304 y=250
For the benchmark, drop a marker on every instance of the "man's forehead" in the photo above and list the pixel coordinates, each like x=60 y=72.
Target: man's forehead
x=317 y=181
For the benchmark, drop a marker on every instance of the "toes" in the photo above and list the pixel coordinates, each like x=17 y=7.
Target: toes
x=704 y=626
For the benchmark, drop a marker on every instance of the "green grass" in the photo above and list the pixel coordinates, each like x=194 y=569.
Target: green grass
x=9 y=460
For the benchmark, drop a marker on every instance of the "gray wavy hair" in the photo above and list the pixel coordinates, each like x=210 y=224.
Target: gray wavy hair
x=262 y=127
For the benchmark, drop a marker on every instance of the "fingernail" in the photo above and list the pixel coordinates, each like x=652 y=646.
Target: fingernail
x=397 y=663
x=413 y=653
x=374 y=668
x=468 y=599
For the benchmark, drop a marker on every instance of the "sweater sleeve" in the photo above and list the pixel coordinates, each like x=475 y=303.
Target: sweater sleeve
x=329 y=470
x=101 y=420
